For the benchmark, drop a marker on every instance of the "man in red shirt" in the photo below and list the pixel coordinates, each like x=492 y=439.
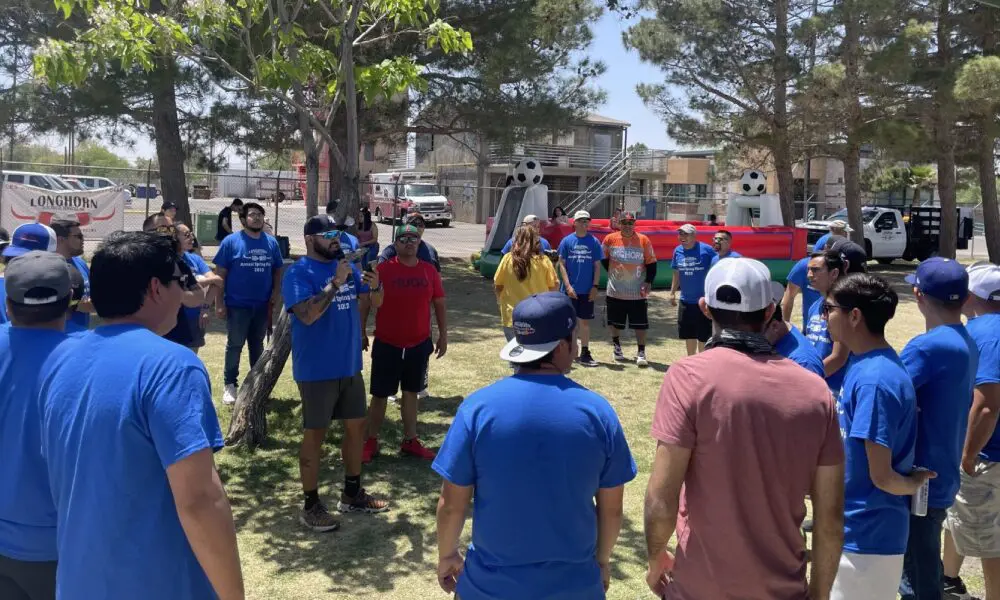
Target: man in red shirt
x=402 y=345
x=746 y=457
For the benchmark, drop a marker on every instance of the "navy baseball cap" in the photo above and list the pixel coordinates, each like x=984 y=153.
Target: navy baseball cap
x=541 y=321
x=941 y=278
x=854 y=255
x=319 y=224
x=31 y=236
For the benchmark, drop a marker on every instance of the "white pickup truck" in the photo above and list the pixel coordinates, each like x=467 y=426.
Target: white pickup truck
x=891 y=233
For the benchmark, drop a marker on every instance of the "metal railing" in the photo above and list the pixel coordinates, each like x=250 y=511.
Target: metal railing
x=614 y=175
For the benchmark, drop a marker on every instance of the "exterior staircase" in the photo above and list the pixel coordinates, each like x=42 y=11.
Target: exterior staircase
x=612 y=178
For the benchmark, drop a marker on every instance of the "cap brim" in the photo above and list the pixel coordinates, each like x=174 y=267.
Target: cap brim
x=516 y=353
x=15 y=251
x=777 y=292
x=911 y=279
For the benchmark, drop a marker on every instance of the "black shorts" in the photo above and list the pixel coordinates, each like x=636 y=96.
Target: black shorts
x=631 y=313
x=27 y=579
x=692 y=324
x=584 y=308
x=394 y=368
x=332 y=399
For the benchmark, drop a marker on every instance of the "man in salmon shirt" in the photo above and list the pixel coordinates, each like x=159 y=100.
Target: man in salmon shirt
x=745 y=458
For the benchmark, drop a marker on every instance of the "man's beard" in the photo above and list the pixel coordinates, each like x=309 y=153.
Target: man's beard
x=254 y=229
x=328 y=253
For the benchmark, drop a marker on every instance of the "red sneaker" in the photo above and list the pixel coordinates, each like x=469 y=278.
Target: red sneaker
x=370 y=450
x=415 y=448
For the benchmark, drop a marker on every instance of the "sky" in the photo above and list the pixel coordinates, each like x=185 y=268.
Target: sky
x=624 y=71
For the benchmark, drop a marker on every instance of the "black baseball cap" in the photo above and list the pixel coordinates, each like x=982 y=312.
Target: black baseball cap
x=319 y=224
x=167 y=204
x=853 y=254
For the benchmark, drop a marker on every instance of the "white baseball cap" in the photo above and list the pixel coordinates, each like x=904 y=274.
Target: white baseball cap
x=751 y=278
x=839 y=224
x=984 y=280
x=581 y=214
x=529 y=219
x=688 y=228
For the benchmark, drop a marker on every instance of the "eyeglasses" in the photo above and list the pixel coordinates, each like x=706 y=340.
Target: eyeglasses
x=719 y=239
x=408 y=239
x=827 y=307
x=627 y=222
x=187 y=234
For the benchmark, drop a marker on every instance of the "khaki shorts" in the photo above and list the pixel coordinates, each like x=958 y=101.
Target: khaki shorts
x=974 y=519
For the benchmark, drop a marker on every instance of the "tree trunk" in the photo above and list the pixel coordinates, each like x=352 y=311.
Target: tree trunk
x=944 y=135
x=782 y=151
x=855 y=120
x=852 y=191
x=311 y=152
x=350 y=200
x=988 y=184
x=248 y=427
x=167 y=134
x=482 y=179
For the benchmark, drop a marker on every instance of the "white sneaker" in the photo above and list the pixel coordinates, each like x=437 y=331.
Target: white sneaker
x=422 y=394
x=229 y=394
x=641 y=361
x=393 y=399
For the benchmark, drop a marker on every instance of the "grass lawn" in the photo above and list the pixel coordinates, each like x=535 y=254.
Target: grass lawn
x=394 y=555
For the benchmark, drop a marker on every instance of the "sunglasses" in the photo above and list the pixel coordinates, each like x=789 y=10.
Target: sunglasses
x=408 y=239
x=166 y=229
x=627 y=222
x=827 y=307
x=332 y=235
x=719 y=239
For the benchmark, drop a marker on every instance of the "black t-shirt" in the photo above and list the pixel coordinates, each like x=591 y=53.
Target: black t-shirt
x=186 y=332
x=225 y=216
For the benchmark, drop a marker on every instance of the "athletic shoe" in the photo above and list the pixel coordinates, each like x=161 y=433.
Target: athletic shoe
x=229 y=394
x=619 y=355
x=362 y=503
x=422 y=394
x=587 y=360
x=393 y=399
x=415 y=448
x=370 y=450
x=319 y=519
x=640 y=360
x=954 y=589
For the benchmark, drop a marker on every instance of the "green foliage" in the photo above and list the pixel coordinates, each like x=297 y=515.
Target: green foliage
x=978 y=84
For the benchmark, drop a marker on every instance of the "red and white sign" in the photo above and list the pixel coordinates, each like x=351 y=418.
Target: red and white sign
x=99 y=212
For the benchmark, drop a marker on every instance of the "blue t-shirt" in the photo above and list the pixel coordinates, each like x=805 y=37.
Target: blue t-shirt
x=692 y=267
x=732 y=254
x=799 y=276
x=877 y=404
x=80 y=319
x=424 y=252
x=821 y=243
x=942 y=364
x=796 y=347
x=985 y=330
x=3 y=302
x=580 y=254
x=108 y=447
x=819 y=336
x=198 y=266
x=250 y=264
x=330 y=348
x=552 y=438
x=510 y=244
x=27 y=514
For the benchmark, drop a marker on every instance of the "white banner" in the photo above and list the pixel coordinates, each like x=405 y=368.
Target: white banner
x=99 y=212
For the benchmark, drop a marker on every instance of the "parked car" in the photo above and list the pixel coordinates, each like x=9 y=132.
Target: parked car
x=41 y=180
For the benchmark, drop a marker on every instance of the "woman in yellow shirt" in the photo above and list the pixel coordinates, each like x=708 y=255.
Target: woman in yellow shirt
x=522 y=272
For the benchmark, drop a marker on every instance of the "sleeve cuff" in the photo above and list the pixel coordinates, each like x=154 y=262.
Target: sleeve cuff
x=443 y=472
x=671 y=439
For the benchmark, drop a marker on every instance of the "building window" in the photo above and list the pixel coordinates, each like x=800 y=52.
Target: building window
x=369 y=151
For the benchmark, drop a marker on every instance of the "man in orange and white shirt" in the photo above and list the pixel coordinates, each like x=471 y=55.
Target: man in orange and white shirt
x=631 y=265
